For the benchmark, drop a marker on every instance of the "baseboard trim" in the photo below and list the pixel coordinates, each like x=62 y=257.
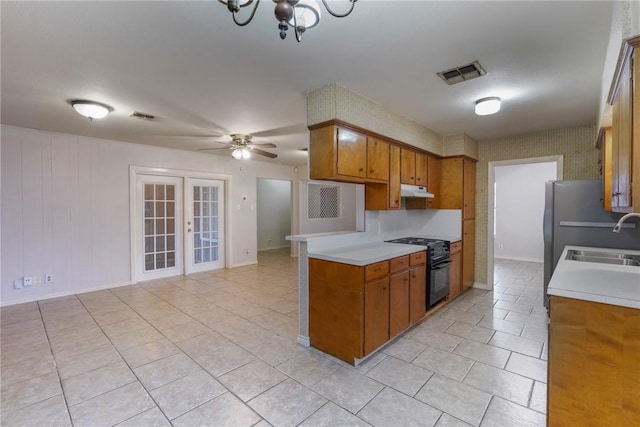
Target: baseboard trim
x=305 y=341
x=539 y=261
x=63 y=294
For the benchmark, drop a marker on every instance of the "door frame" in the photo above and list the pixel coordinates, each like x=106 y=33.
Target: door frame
x=491 y=196
x=135 y=170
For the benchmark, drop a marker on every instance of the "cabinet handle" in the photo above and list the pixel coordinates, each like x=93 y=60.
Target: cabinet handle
x=360 y=170
x=411 y=178
x=405 y=280
x=370 y=170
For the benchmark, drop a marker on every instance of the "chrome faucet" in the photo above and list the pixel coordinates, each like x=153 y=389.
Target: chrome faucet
x=618 y=226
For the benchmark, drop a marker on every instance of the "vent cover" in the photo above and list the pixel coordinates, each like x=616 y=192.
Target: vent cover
x=324 y=201
x=462 y=73
x=143 y=116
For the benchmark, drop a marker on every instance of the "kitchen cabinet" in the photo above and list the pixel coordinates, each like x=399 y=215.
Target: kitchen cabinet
x=468 y=252
x=594 y=364
x=605 y=143
x=432 y=184
x=407 y=166
x=354 y=310
x=418 y=286
x=383 y=196
x=457 y=191
x=455 y=270
x=377 y=159
x=337 y=153
x=399 y=296
x=421 y=169
x=623 y=163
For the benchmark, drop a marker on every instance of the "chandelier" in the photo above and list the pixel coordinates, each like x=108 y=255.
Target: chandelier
x=297 y=14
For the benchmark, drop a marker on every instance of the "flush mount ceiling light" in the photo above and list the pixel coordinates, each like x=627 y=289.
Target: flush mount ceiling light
x=487 y=106
x=91 y=110
x=297 y=14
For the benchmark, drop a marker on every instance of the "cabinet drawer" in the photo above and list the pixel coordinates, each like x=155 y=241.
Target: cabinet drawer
x=418 y=258
x=399 y=264
x=456 y=247
x=377 y=270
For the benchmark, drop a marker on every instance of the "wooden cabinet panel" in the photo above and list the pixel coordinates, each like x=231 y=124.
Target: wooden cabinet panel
x=422 y=176
x=606 y=146
x=352 y=153
x=407 y=166
x=377 y=270
x=468 y=252
x=452 y=177
x=455 y=275
x=594 y=364
x=394 y=177
x=399 y=264
x=417 y=293
x=469 y=190
x=433 y=181
x=399 y=303
x=377 y=159
x=376 y=314
x=336 y=308
x=417 y=258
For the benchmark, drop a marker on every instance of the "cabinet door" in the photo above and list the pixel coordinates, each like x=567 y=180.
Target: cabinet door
x=399 y=304
x=421 y=169
x=455 y=275
x=376 y=314
x=451 y=189
x=417 y=293
x=468 y=252
x=469 y=189
x=394 y=177
x=352 y=153
x=407 y=166
x=377 y=159
x=433 y=181
x=606 y=147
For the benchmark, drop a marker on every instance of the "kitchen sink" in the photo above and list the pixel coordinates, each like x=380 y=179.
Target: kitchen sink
x=615 y=258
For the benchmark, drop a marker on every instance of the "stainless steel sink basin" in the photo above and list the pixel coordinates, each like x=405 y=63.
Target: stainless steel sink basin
x=603 y=257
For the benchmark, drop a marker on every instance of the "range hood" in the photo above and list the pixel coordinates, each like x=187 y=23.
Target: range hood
x=407 y=190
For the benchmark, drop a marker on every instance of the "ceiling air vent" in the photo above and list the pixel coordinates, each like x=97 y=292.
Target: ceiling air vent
x=462 y=73
x=143 y=116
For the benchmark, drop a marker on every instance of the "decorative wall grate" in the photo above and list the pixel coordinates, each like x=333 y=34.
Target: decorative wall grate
x=324 y=201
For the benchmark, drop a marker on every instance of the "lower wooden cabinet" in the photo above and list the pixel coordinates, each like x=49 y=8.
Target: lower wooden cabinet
x=455 y=270
x=594 y=364
x=355 y=310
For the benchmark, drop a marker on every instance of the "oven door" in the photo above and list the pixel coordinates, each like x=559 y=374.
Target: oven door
x=438 y=281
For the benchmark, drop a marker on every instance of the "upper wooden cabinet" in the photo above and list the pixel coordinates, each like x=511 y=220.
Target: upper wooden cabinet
x=421 y=169
x=407 y=166
x=338 y=154
x=621 y=160
x=433 y=181
x=377 y=159
x=458 y=185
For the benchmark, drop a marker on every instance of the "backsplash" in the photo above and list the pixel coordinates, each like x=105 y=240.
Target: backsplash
x=444 y=223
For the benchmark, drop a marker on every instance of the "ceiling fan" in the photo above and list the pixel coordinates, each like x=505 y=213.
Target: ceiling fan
x=243 y=147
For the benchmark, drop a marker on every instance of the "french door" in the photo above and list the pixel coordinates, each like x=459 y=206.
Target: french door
x=179 y=226
x=205 y=225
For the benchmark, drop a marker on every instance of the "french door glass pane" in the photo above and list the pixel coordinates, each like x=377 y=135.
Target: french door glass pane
x=159 y=226
x=205 y=224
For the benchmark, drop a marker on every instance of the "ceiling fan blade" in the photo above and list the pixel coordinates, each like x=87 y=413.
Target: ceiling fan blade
x=210 y=149
x=264 y=153
x=264 y=145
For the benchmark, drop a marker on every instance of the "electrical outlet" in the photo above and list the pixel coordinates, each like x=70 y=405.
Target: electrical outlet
x=27 y=281
x=48 y=278
x=17 y=284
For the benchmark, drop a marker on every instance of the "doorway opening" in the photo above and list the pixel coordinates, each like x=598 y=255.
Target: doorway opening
x=515 y=208
x=274 y=213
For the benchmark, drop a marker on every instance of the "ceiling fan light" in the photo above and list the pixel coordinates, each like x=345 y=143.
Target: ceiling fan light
x=246 y=154
x=90 y=109
x=487 y=106
x=236 y=154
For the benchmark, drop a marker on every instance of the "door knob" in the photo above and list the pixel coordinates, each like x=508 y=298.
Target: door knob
x=189 y=230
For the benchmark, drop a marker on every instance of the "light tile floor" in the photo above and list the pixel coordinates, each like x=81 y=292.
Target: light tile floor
x=218 y=349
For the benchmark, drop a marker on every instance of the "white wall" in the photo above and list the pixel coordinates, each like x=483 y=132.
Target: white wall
x=273 y=213
x=65 y=208
x=519 y=210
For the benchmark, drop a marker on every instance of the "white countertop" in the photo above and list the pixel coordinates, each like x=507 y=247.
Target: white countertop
x=602 y=283
x=367 y=254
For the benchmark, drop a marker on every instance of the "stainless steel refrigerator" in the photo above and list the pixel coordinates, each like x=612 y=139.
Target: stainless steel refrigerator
x=574 y=215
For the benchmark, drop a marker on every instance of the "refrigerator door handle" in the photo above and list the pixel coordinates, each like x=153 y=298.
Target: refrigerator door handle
x=593 y=224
